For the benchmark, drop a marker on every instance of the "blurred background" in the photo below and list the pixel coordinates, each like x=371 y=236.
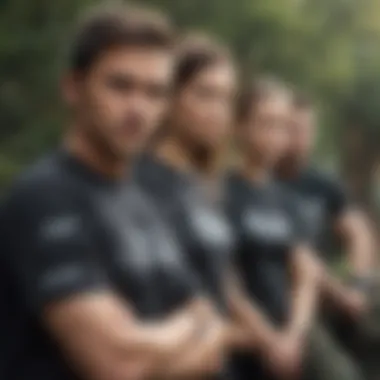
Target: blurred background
x=330 y=48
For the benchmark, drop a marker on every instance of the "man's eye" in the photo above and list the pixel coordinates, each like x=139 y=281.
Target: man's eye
x=120 y=84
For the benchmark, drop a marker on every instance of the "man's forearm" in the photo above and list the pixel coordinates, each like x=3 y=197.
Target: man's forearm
x=303 y=311
x=166 y=336
x=160 y=341
x=359 y=241
x=332 y=289
x=203 y=356
x=237 y=337
x=306 y=289
x=249 y=320
x=360 y=252
x=103 y=339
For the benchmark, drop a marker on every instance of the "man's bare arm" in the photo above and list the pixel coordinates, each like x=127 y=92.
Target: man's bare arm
x=203 y=357
x=306 y=276
x=354 y=229
x=332 y=288
x=62 y=283
x=250 y=328
x=103 y=340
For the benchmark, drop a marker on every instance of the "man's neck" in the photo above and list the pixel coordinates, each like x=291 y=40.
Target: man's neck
x=289 y=170
x=97 y=158
x=254 y=171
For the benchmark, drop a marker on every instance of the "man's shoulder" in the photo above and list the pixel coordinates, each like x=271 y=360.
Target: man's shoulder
x=45 y=167
x=45 y=175
x=322 y=180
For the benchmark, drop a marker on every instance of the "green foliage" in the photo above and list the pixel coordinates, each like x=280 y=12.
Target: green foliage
x=326 y=46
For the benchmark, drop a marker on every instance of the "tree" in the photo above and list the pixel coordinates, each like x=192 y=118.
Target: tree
x=326 y=47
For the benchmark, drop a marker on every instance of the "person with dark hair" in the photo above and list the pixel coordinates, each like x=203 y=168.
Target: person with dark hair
x=181 y=169
x=94 y=286
x=272 y=258
x=183 y=173
x=329 y=214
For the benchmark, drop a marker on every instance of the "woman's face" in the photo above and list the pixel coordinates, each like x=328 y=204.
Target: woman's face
x=204 y=107
x=265 y=135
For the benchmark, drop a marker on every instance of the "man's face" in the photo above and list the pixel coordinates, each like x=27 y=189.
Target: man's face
x=204 y=108
x=121 y=100
x=301 y=133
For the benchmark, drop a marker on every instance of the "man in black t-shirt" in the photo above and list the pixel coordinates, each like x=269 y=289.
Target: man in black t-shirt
x=325 y=204
x=93 y=286
x=330 y=217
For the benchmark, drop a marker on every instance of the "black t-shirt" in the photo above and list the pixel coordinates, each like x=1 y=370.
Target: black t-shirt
x=268 y=226
x=198 y=223
x=322 y=200
x=66 y=230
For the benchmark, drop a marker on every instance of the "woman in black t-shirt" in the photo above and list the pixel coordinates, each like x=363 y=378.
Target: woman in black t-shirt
x=272 y=258
x=181 y=172
x=178 y=172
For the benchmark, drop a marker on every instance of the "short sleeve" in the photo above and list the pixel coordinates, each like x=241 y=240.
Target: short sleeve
x=50 y=248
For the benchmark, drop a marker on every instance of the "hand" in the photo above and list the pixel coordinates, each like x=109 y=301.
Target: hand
x=237 y=338
x=176 y=332
x=182 y=328
x=284 y=357
x=204 y=357
x=212 y=348
x=355 y=304
x=193 y=342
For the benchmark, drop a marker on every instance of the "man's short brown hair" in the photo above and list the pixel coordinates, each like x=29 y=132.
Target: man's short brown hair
x=117 y=25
